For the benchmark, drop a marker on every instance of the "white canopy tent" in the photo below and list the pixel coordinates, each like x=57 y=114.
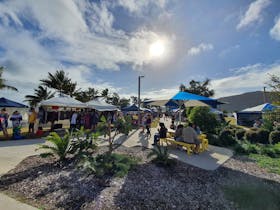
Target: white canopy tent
x=101 y=106
x=63 y=101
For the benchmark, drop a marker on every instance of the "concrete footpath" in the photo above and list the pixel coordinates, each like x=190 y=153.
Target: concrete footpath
x=11 y=154
x=208 y=160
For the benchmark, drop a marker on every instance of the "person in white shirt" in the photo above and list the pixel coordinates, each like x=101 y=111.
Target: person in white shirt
x=189 y=136
x=73 y=121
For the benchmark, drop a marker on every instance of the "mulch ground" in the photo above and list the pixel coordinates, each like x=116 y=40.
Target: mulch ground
x=46 y=184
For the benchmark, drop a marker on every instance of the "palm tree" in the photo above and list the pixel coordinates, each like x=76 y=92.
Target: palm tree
x=40 y=94
x=2 y=82
x=85 y=96
x=61 y=82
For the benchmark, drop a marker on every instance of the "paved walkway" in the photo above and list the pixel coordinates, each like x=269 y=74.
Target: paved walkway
x=208 y=160
x=11 y=153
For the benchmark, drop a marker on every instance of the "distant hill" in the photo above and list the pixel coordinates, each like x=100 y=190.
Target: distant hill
x=243 y=101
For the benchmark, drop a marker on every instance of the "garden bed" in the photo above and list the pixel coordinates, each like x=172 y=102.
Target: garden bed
x=46 y=184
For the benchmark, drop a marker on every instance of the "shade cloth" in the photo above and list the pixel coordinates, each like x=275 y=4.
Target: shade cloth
x=4 y=102
x=194 y=103
x=185 y=96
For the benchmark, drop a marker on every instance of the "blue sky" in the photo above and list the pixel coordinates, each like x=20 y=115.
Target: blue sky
x=105 y=44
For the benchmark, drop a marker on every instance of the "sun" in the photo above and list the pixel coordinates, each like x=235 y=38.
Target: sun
x=157 y=49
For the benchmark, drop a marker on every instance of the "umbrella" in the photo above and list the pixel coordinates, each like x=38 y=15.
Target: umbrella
x=63 y=101
x=101 y=105
x=4 y=102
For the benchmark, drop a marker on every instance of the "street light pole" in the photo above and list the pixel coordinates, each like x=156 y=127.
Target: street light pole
x=139 y=101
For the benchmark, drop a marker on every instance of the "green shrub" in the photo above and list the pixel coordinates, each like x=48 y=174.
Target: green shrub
x=262 y=136
x=83 y=143
x=269 y=151
x=59 y=146
x=161 y=156
x=253 y=149
x=251 y=135
x=257 y=136
x=113 y=164
x=110 y=164
x=213 y=139
x=241 y=148
x=202 y=117
x=240 y=133
x=227 y=138
x=274 y=137
x=123 y=126
x=267 y=124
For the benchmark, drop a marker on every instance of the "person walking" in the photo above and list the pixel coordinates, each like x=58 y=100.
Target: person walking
x=148 y=125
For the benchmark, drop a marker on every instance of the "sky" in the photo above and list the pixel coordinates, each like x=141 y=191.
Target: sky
x=109 y=43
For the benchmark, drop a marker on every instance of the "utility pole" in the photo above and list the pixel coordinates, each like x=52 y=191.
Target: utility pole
x=139 y=100
x=264 y=95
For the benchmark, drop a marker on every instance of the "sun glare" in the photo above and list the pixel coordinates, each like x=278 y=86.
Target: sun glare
x=156 y=49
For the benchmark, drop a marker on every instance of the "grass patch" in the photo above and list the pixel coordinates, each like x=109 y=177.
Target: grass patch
x=271 y=164
x=257 y=196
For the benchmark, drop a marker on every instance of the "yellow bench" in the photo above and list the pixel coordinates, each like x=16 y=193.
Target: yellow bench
x=189 y=147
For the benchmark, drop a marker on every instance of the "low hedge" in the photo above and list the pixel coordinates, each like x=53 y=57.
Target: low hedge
x=274 y=137
x=227 y=137
x=240 y=133
x=257 y=136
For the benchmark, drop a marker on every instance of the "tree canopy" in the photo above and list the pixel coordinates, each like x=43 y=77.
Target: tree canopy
x=61 y=82
x=3 y=84
x=274 y=84
x=199 y=88
x=40 y=94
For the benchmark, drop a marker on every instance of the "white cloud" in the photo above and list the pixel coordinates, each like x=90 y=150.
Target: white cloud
x=200 y=48
x=253 y=14
x=275 y=31
x=229 y=50
x=244 y=79
x=138 y=7
x=248 y=78
x=77 y=32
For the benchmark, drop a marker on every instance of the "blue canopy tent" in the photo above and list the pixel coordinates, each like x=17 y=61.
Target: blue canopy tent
x=185 y=96
x=248 y=116
x=132 y=108
x=4 y=102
